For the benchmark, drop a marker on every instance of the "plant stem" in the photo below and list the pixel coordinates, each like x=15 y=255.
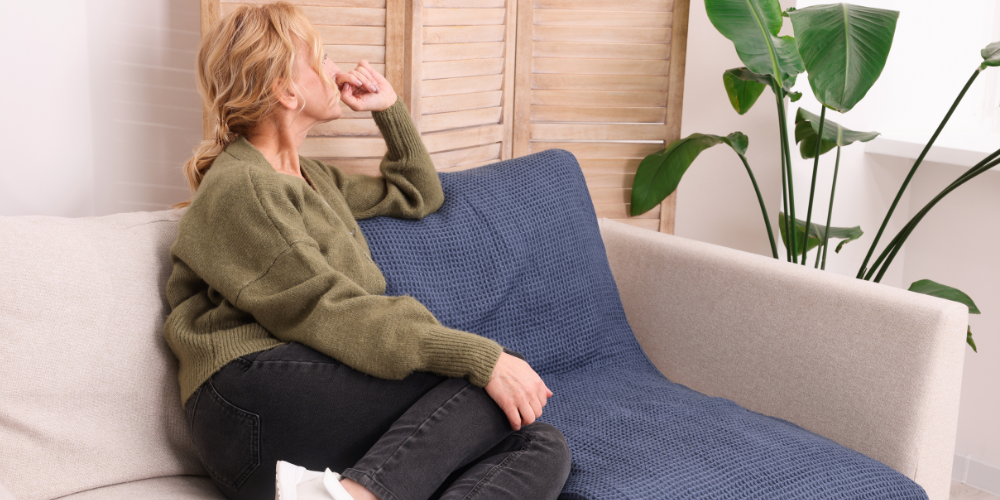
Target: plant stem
x=784 y=194
x=913 y=170
x=916 y=220
x=787 y=164
x=897 y=243
x=819 y=252
x=986 y=164
x=763 y=209
x=829 y=214
x=784 y=202
x=812 y=188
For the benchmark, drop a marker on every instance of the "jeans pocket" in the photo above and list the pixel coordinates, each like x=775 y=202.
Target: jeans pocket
x=227 y=437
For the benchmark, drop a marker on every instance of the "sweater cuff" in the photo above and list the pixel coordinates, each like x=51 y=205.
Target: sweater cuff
x=401 y=136
x=461 y=354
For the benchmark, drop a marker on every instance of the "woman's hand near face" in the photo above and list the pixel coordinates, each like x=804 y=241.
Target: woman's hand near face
x=364 y=89
x=517 y=390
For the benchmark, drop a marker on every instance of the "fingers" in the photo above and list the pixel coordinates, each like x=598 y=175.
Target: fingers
x=358 y=80
x=518 y=390
x=379 y=79
x=513 y=415
x=536 y=409
x=530 y=401
x=366 y=76
x=350 y=99
x=348 y=96
x=527 y=411
x=521 y=408
x=361 y=77
x=544 y=394
x=348 y=78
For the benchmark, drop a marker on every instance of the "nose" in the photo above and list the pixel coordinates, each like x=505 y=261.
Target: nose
x=331 y=68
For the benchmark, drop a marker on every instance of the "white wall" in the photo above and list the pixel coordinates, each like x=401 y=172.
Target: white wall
x=105 y=111
x=45 y=136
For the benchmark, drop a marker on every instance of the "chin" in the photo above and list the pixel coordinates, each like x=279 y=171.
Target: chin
x=335 y=112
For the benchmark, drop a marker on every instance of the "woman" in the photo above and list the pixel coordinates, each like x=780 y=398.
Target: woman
x=289 y=351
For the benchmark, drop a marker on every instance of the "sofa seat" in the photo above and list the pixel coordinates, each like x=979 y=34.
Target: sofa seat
x=634 y=434
x=158 y=488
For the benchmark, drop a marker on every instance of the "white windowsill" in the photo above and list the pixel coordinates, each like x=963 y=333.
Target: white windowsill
x=964 y=152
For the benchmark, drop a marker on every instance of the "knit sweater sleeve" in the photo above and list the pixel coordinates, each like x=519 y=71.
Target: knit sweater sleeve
x=409 y=186
x=301 y=298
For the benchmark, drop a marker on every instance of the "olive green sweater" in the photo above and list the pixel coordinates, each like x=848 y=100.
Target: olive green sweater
x=263 y=258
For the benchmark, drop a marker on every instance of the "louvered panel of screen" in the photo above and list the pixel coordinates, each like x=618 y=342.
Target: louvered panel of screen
x=465 y=81
x=599 y=74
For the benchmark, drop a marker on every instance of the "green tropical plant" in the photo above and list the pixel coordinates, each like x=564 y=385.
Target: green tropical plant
x=843 y=49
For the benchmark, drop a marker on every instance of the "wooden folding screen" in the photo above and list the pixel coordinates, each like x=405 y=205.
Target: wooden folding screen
x=487 y=80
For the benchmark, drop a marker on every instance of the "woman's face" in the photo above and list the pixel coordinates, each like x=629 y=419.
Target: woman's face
x=322 y=100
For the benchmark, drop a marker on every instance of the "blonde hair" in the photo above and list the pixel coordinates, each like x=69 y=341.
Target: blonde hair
x=239 y=60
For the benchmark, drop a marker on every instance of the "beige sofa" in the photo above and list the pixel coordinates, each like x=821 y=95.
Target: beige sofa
x=89 y=405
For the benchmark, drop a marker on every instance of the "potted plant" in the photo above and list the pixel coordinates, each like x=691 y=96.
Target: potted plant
x=843 y=49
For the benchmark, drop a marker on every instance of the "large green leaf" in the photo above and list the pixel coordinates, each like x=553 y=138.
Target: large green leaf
x=844 y=48
x=934 y=289
x=744 y=73
x=743 y=88
x=817 y=232
x=753 y=26
x=659 y=173
x=805 y=137
x=991 y=55
x=807 y=130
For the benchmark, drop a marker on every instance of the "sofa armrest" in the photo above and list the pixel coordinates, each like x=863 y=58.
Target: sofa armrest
x=874 y=368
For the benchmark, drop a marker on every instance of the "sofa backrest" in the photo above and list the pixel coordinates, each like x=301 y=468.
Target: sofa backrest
x=88 y=386
x=515 y=254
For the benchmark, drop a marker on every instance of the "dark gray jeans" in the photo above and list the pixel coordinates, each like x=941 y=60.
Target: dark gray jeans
x=422 y=437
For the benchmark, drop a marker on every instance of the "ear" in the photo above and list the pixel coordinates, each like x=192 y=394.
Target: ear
x=288 y=98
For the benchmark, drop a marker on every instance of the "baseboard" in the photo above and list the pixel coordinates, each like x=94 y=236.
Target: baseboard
x=979 y=475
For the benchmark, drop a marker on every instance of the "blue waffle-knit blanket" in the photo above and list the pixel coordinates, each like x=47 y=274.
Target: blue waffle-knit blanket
x=515 y=254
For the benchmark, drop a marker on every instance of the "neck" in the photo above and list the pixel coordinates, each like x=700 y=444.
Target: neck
x=279 y=141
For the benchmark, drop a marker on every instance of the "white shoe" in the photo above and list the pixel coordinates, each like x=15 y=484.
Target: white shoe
x=293 y=482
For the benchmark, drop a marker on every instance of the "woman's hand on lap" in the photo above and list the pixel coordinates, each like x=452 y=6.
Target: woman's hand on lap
x=364 y=89
x=517 y=390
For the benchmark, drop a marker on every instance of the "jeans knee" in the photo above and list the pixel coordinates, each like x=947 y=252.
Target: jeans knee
x=554 y=448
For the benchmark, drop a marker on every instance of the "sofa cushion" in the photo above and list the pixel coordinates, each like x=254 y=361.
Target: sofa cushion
x=515 y=254
x=88 y=386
